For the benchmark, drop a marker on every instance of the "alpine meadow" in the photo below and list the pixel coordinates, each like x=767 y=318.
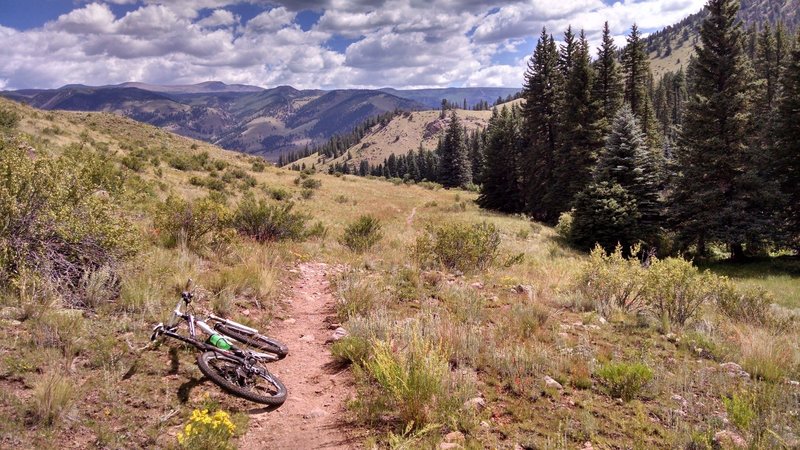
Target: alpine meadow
x=438 y=225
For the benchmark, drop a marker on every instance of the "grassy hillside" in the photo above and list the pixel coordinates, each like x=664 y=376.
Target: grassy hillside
x=403 y=133
x=453 y=325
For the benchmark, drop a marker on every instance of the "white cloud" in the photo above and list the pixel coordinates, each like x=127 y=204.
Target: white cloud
x=400 y=43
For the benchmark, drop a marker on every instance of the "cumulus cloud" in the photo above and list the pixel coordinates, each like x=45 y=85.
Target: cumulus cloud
x=399 y=43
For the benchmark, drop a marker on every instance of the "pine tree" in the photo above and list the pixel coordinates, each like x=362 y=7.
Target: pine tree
x=787 y=150
x=566 y=55
x=543 y=93
x=604 y=213
x=501 y=188
x=626 y=160
x=454 y=167
x=582 y=137
x=607 y=89
x=716 y=194
x=637 y=85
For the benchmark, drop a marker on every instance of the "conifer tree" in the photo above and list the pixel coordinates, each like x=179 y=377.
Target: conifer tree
x=626 y=160
x=637 y=83
x=788 y=144
x=607 y=88
x=581 y=137
x=543 y=93
x=716 y=193
x=454 y=165
x=566 y=53
x=501 y=181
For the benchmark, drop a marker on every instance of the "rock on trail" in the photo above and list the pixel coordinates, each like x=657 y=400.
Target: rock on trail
x=313 y=415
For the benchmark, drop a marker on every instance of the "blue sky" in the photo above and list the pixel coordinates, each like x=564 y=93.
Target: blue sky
x=304 y=43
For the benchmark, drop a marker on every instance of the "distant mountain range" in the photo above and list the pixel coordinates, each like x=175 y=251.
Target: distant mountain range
x=248 y=118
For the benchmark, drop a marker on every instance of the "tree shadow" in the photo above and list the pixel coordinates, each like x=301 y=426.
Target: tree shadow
x=186 y=388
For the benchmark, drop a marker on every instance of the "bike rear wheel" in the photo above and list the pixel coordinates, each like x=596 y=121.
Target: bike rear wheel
x=258 y=341
x=257 y=385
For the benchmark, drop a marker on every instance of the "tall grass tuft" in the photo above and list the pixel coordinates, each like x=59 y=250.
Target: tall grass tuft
x=412 y=379
x=52 y=397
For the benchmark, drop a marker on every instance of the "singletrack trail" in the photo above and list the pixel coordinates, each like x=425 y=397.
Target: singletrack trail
x=313 y=415
x=410 y=218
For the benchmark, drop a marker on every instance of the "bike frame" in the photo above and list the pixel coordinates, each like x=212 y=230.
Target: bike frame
x=243 y=328
x=193 y=323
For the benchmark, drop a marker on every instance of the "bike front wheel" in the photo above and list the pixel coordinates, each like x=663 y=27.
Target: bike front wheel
x=256 y=384
x=258 y=341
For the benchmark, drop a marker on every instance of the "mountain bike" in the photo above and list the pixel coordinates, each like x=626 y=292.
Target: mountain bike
x=241 y=372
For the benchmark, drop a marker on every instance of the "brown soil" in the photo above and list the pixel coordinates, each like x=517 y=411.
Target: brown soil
x=313 y=416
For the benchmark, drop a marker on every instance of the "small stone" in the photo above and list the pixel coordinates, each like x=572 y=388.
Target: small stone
x=307 y=338
x=793 y=383
x=245 y=312
x=671 y=337
x=448 y=445
x=477 y=285
x=552 y=384
x=338 y=334
x=587 y=446
x=477 y=403
x=729 y=439
x=523 y=289
x=454 y=436
x=289 y=321
x=602 y=320
x=315 y=414
x=735 y=370
x=484 y=424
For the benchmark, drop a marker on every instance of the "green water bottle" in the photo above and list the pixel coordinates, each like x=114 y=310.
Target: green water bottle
x=218 y=341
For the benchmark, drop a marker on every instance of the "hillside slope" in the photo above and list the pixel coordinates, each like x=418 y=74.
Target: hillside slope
x=258 y=121
x=499 y=343
x=671 y=48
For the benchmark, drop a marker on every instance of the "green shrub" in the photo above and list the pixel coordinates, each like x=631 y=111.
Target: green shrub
x=306 y=194
x=200 y=222
x=311 y=183
x=258 y=165
x=458 y=246
x=351 y=350
x=564 y=226
x=357 y=296
x=9 y=119
x=749 y=305
x=266 y=222
x=741 y=409
x=624 y=380
x=611 y=280
x=279 y=194
x=186 y=162
x=58 y=218
x=362 y=234
x=206 y=431
x=412 y=379
x=676 y=290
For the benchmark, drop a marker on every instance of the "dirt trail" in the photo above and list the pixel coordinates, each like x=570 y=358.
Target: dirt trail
x=312 y=417
x=410 y=218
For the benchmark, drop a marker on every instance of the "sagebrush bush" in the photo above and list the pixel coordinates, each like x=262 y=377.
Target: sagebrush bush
x=749 y=305
x=458 y=246
x=194 y=224
x=624 y=380
x=362 y=234
x=611 y=280
x=564 y=226
x=267 y=222
x=675 y=289
x=8 y=119
x=58 y=219
x=53 y=395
